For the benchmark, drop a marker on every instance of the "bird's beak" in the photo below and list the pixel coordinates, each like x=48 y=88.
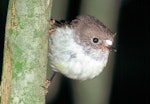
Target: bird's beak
x=108 y=48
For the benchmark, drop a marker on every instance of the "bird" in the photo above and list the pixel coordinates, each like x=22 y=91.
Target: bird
x=79 y=49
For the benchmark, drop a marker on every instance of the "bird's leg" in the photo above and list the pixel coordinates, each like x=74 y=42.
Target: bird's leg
x=51 y=24
x=48 y=82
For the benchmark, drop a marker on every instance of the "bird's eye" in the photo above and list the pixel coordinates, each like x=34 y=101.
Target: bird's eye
x=95 y=40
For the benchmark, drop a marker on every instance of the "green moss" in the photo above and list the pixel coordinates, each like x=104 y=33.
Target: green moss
x=17 y=51
x=14 y=76
x=13 y=32
x=38 y=33
x=10 y=31
x=19 y=23
x=18 y=66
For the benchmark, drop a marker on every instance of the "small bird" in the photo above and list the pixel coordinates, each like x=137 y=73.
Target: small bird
x=79 y=49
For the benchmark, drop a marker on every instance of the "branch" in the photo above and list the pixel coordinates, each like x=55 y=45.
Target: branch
x=25 y=52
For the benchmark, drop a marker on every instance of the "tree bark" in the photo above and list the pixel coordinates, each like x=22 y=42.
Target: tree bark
x=25 y=52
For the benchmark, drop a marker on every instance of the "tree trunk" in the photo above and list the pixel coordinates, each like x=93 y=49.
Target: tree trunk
x=25 y=52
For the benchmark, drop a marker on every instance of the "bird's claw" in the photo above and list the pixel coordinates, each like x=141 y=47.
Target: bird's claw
x=47 y=84
x=51 y=23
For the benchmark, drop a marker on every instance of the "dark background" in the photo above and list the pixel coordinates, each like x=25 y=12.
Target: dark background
x=132 y=71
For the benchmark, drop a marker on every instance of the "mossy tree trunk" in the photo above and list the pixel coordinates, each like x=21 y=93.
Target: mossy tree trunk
x=25 y=52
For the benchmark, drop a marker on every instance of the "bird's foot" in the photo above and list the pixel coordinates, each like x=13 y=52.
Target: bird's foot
x=47 y=84
x=51 y=24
